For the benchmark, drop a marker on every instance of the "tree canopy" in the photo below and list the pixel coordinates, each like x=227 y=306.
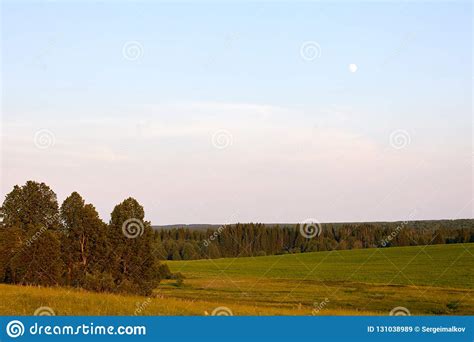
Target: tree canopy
x=42 y=244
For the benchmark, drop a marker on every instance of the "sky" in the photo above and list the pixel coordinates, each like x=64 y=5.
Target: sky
x=210 y=112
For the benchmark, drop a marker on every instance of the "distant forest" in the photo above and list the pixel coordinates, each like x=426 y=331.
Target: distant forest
x=44 y=243
x=256 y=239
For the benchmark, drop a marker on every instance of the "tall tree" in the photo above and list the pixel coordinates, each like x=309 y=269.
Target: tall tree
x=30 y=221
x=84 y=246
x=132 y=258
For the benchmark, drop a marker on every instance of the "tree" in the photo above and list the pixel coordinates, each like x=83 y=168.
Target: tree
x=159 y=250
x=189 y=252
x=176 y=255
x=84 y=245
x=132 y=260
x=30 y=222
x=31 y=204
x=213 y=251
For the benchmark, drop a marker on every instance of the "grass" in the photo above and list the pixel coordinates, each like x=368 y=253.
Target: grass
x=437 y=265
x=432 y=280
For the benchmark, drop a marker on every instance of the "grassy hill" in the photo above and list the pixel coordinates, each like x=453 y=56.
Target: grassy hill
x=426 y=280
x=436 y=265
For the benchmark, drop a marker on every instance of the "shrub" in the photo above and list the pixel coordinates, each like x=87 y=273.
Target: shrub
x=164 y=271
x=453 y=306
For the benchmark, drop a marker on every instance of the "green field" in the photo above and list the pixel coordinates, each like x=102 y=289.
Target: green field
x=432 y=280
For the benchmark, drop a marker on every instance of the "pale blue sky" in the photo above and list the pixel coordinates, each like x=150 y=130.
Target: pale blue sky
x=310 y=138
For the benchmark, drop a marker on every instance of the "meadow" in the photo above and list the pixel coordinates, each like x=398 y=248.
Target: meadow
x=427 y=280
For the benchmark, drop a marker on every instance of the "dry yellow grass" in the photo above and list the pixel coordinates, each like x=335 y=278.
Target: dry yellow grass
x=24 y=300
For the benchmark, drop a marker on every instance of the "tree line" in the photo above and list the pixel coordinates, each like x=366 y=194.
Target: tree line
x=256 y=239
x=42 y=243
